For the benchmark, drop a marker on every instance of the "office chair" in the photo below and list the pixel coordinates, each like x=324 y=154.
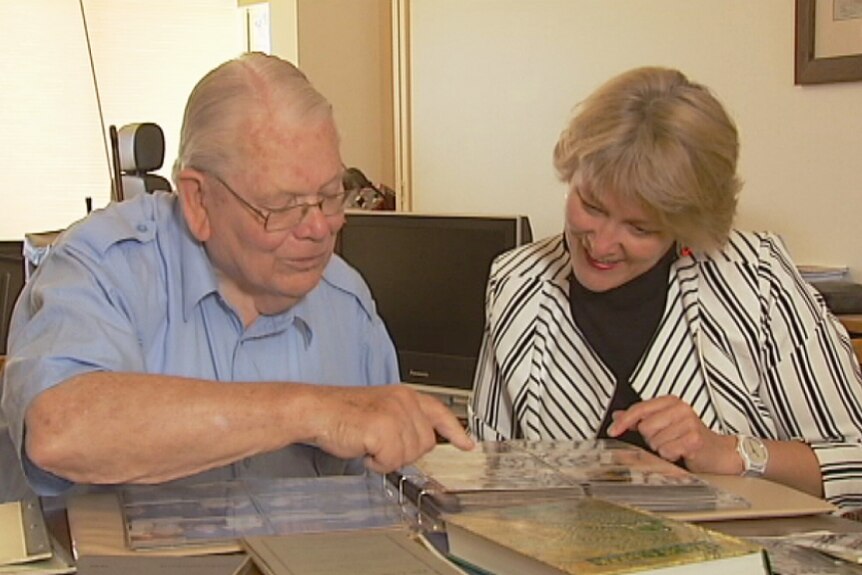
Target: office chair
x=139 y=150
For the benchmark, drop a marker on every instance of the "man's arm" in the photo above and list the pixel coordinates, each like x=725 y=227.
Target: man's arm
x=105 y=427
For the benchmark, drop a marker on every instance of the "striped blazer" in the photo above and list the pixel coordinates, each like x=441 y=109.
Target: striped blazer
x=743 y=339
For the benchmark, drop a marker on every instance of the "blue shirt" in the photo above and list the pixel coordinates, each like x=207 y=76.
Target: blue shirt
x=130 y=289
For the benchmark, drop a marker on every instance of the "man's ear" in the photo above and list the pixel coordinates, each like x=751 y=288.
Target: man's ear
x=190 y=190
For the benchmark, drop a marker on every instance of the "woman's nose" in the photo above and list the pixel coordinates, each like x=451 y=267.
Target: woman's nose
x=602 y=239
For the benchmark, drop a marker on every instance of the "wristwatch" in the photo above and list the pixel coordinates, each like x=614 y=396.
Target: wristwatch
x=754 y=455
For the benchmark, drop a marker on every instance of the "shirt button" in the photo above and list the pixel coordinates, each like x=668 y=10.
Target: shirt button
x=142 y=227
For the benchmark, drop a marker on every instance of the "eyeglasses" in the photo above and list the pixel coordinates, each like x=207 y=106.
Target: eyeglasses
x=283 y=219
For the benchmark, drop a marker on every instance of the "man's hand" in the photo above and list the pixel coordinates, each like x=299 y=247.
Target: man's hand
x=390 y=426
x=673 y=430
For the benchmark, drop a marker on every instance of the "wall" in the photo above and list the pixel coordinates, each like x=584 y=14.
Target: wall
x=147 y=58
x=494 y=82
x=147 y=54
x=345 y=48
x=282 y=24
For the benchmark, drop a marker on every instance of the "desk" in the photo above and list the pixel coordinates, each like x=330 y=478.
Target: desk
x=784 y=526
x=740 y=528
x=852 y=323
x=97 y=525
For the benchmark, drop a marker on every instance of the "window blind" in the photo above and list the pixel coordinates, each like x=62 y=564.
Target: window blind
x=147 y=55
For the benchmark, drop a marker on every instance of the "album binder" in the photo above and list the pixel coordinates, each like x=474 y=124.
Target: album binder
x=447 y=480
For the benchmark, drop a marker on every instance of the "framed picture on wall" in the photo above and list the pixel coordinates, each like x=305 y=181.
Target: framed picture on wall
x=828 y=41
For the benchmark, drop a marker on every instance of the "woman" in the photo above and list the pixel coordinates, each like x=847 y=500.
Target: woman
x=650 y=319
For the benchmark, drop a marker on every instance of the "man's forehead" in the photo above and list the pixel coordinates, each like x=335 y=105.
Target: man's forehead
x=301 y=160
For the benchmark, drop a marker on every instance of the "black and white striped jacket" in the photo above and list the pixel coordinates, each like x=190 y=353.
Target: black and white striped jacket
x=743 y=340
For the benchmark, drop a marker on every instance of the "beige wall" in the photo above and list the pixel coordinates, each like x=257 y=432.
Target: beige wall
x=282 y=24
x=493 y=83
x=345 y=48
x=147 y=57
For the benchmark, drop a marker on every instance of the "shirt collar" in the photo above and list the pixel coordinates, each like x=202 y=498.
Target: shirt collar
x=310 y=308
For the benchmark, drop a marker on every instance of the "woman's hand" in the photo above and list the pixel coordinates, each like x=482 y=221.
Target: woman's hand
x=673 y=430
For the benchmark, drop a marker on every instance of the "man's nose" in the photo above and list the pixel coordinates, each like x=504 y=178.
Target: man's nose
x=314 y=224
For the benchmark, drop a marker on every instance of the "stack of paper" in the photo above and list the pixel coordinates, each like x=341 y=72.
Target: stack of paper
x=818 y=273
x=25 y=546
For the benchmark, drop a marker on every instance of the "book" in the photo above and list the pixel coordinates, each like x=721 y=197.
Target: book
x=788 y=558
x=845 y=546
x=59 y=562
x=501 y=473
x=24 y=533
x=590 y=536
x=386 y=551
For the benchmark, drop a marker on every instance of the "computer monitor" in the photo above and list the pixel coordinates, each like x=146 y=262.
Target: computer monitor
x=428 y=275
x=11 y=283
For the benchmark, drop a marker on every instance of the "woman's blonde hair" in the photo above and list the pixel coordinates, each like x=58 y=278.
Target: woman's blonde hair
x=652 y=136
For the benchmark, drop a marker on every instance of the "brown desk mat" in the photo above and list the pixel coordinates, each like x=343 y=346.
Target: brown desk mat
x=767 y=499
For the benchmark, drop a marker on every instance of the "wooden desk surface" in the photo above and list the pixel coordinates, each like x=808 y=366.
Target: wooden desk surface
x=144 y=565
x=779 y=526
x=853 y=323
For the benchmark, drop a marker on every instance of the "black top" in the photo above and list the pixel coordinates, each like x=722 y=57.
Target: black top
x=619 y=324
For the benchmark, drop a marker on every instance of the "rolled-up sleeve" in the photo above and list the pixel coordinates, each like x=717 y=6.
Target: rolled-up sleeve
x=69 y=320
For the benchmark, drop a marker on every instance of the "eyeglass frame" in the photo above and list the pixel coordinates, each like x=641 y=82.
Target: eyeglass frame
x=346 y=197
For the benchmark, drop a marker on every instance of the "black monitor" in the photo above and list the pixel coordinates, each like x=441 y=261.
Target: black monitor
x=428 y=275
x=11 y=284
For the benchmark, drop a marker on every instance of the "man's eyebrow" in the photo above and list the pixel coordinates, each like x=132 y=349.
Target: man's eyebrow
x=281 y=194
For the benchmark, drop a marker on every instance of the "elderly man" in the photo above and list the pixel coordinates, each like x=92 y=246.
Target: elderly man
x=211 y=332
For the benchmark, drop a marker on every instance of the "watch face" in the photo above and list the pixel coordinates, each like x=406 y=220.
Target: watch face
x=756 y=451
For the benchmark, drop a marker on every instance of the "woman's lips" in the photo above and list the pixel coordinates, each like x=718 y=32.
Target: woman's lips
x=600 y=265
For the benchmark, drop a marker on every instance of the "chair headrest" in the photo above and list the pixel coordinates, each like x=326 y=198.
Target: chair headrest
x=141 y=147
x=144 y=184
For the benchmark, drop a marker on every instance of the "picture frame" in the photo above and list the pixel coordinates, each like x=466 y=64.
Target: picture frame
x=811 y=69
